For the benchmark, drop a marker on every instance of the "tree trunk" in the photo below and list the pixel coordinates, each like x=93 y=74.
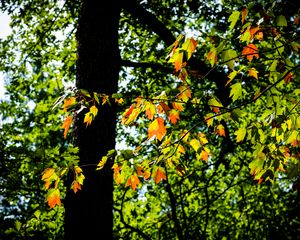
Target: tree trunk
x=89 y=212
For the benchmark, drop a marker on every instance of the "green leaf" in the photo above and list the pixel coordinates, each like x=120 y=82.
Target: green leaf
x=240 y=134
x=233 y=18
x=229 y=57
x=236 y=91
x=281 y=21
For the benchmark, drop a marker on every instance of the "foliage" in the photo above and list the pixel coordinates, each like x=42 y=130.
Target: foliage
x=212 y=149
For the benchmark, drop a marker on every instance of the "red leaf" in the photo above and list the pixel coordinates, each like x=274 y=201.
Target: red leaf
x=250 y=51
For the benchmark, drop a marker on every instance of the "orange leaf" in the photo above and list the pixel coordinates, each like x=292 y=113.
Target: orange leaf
x=162 y=107
x=53 y=198
x=66 y=125
x=68 y=102
x=244 y=14
x=250 y=51
x=75 y=186
x=220 y=130
x=132 y=181
x=157 y=129
x=159 y=175
x=178 y=106
x=212 y=56
x=174 y=116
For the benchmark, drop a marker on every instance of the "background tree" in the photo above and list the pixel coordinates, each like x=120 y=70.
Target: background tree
x=236 y=108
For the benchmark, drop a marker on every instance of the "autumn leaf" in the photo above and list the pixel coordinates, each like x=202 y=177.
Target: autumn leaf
x=220 y=130
x=233 y=18
x=195 y=144
x=66 y=125
x=75 y=186
x=178 y=106
x=133 y=181
x=253 y=73
x=189 y=46
x=185 y=93
x=68 y=102
x=204 y=155
x=212 y=57
x=150 y=110
x=250 y=51
x=159 y=175
x=157 y=129
x=209 y=119
x=48 y=173
x=174 y=116
x=244 y=14
x=53 y=198
x=163 y=108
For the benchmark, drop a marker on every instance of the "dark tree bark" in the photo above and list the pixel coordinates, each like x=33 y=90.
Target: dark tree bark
x=89 y=211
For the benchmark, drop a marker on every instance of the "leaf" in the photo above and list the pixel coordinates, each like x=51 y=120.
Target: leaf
x=281 y=21
x=75 y=186
x=174 y=116
x=68 y=102
x=53 y=198
x=177 y=59
x=133 y=181
x=250 y=51
x=189 y=46
x=159 y=175
x=102 y=163
x=88 y=118
x=233 y=18
x=195 y=144
x=178 y=106
x=236 y=91
x=229 y=57
x=253 y=73
x=220 y=130
x=214 y=104
x=48 y=173
x=209 y=119
x=157 y=129
x=94 y=110
x=240 y=134
x=185 y=93
x=204 y=155
x=150 y=110
x=212 y=57
x=231 y=76
x=256 y=166
x=66 y=125
x=244 y=14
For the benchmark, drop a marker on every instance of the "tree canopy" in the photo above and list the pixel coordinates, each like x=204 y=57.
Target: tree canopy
x=202 y=99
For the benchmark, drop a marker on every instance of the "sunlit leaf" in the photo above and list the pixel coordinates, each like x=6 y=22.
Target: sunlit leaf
x=233 y=18
x=159 y=175
x=250 y=51
x=157 y=129
x=66 y=125
x=236 y=91
x=240 y=134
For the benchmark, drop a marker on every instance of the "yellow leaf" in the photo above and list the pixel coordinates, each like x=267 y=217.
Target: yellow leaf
x=212 y=56
x=185 y=93
x=178 y=106
x=157 y=129
x=88 y=118
x=195 y=144
x=240 y=134
x=253 y=73
x=94 y=110
x=150 y=110
x=48 y=173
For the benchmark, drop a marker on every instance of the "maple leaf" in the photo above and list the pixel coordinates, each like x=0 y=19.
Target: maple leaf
x=195 y=144
x=185 y=93
x=174 y=116
x=53 y=198
x=240 y=134
x=88 y=118
x=204 y=155
x=220 y=130
x=150 y=110
x=253 y=73
x=159 y=175
x=233 y=18
x=189 y=45
x=162 y=107
x=132 y=181
x=236 y=91
x=157 y=129
x=47 y=174
x=212 y=57
x=244 y=14
x=68 y=102
x=75 y=186
x=250 y=51
x=178 y=106
x=66 y=125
